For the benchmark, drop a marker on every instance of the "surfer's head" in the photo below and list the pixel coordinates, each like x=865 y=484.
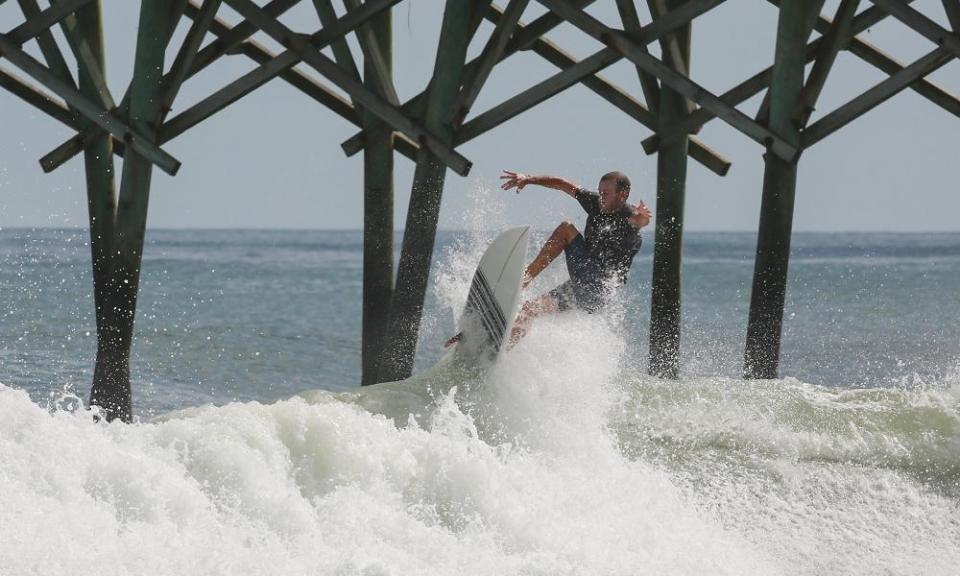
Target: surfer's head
x=614 y=189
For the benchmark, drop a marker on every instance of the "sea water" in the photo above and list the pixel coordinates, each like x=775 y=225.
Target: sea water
x=566 y=458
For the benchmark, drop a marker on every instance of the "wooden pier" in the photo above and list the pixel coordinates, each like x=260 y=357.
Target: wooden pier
x=669 y=111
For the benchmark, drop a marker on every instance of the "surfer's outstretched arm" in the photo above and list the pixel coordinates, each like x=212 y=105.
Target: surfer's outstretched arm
x=518 y=180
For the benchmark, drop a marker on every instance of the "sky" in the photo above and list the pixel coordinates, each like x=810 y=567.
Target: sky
x=273 y=159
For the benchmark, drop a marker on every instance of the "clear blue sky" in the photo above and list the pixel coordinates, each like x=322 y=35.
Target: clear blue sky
x=273 y=160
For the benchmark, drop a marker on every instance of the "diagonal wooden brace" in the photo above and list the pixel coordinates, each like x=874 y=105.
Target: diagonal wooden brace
x=921 y=24
x=874 y=97
x=103 y=118
x=550 y=52
x=522 y=40
x=678 y=82
x=756 y=83
x=302 y=49
x=42 y=22
x=209 y=54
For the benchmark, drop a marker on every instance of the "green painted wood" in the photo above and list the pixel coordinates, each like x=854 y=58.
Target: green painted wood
x=101 y=196
x=648 y=83
x=875 y=96
x=341 y=51
x=492 y=51
x=48 y=47
x=111 y=385
x=209 y=54
x=762 y=350
x=836 y=37
x=756 y=83
x=40 y=21
x=536 y=94
x=375 y=63
x=952 y=7
x=88 y=65
x=665 y=288
x=106 y=120
x=420 y=231
x=187 y=54
x=39 y=100
x=378 y=202
x=521 y=41
x=922 y=25
x=670 y=48
x=678 y=82
x=698 y=151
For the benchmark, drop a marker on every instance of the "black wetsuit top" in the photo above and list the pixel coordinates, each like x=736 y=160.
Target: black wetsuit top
x=612 y=240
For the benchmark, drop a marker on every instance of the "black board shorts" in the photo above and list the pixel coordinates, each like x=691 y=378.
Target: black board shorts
x=585 y=289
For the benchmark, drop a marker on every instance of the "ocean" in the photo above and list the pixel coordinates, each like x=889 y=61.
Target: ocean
x=254 y=453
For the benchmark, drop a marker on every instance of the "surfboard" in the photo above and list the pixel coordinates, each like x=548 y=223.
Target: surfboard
x=484 y=324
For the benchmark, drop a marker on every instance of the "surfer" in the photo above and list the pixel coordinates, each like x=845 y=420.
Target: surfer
x=598 y=260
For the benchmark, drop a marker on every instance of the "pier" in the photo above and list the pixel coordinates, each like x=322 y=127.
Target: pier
x=429 y=129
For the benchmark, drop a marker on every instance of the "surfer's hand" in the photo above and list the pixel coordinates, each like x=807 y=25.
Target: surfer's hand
x=641 y=215
x=514 y=180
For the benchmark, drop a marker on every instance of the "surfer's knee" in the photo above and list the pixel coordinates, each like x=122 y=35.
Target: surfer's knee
x=566 y=231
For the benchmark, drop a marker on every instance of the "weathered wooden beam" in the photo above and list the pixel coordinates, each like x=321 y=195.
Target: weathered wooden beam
x=374 y=60
x=101 y=189
x=378 y=201
x=764 y=326
x=756 y=83
x=48 y=46
x=339 y=46
x=672 y=52
x=520 y=41
x=922 y=25
x=303 y=50
x=262 y=74
x=952 y=7
x=39 y=100
x=419 y=235
x=41 y=21
x=665 y=292
x=209 y=54
x=620 y=99
x=104 y=118
x=111 y=386
x=187 y=54
x=648 y=83
x=88 y=64
x=678 y=82
x=872 y=55
x=763 y=111
x=536 y=94
x=492 y=51
x=874 y=96
x=835 y=38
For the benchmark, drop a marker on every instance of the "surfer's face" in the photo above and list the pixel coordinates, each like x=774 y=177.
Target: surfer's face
x=610 y=199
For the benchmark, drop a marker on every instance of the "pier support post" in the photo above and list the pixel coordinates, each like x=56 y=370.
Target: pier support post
x=762 y=354
x=668 y=244
x=421 y=227
x=377 y=216
x=111 y=379
x=101 y=192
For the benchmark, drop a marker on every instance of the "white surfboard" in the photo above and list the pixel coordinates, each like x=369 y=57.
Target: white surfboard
x=484 y=325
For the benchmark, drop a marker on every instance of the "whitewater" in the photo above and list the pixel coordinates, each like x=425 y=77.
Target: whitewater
x=565 y=458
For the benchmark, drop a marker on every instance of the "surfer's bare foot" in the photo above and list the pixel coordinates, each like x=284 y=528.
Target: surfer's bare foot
x=453 y=340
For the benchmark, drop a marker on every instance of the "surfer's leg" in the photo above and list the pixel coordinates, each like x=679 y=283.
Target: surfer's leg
x=544 y=304
x=561 y=237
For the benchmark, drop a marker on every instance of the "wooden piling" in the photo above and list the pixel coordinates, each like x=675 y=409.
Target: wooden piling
x=101 y=194
x=111 y=384
x=377 y=213
x=762 y=354
x=424 y=210
x=665 y=291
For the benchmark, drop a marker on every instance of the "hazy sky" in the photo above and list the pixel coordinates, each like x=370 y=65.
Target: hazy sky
x=273 y=159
